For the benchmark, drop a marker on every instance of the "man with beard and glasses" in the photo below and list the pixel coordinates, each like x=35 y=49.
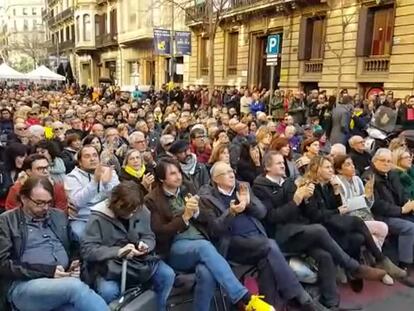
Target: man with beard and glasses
x=193 y=172
x=37 y=271
x=88 y=186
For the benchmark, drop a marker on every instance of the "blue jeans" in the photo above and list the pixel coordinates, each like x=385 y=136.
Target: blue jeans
x=162 y=280
x=55 y=294
x=77 y=227
x=404 y=229
x=210 y=268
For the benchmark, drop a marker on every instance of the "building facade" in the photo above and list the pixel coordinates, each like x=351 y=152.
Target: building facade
x=59 y=18
x=354 y=44
x=23 y=33
x=114 y=41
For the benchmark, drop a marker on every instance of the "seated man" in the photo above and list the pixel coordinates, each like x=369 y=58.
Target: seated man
x=231 y=216
x=293 y=232
x=36 y=165
x=122 y=230
x=184 y=243
x=361 y=158
x=193 y=171
x=88 y=186
x=35 y=270
x=392 y=205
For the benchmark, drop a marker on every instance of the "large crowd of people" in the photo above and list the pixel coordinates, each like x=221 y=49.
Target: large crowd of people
x=178 y=181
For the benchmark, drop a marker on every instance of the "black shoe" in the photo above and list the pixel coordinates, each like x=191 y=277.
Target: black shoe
x=407 y=281
x=357 y=285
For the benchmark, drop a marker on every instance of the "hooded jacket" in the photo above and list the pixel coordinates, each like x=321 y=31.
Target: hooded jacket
x=85 y=193
x=105 y=235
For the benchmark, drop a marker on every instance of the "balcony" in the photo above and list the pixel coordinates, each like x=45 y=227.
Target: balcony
x=61 y=17
x=66 y=45
x=106 y=40
x=313 y=67
x=376 y=65
x=196 y=13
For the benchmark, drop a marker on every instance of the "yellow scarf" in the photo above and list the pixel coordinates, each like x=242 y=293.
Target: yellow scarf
x=352 y=122
x=133 y=172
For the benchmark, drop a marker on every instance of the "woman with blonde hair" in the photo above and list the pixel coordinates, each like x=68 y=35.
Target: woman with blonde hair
x=350 y=232
x=403 y=161
x=263 y=138
x=220 y=153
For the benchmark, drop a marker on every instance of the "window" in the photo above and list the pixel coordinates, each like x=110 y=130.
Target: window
x=72 y=32
x=113 y=23
x=67 y=31
x=25 y=25
x=97 y=25
x=14 y=12
x=232 y=49
x=375 y=31
x=86 y=27
x=77 y=28
x=312 y=38
x=34 y=11
x=203 y=55
x=24 y=11
x=34 y=24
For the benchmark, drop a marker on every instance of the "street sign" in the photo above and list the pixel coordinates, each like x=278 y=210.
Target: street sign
x=273 y=45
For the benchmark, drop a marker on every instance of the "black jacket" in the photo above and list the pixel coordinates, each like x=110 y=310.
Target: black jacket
x=216 y=216
x=284 y=218
x=200 y=177
x=68 y=156
x=322 y=205
x=105 y=235
x=389 y=195
x=13 y=237
x=362 y=161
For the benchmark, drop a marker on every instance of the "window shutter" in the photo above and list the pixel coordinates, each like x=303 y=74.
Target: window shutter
x=302 y=38
x=364 y=36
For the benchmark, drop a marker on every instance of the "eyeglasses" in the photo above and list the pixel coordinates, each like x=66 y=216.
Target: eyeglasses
x=200 y=137
x=58 y=129
x=40 y=203
x=42 y=168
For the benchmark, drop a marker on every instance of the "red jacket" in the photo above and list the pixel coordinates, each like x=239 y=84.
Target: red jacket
x=59 y=196
x=202 y=157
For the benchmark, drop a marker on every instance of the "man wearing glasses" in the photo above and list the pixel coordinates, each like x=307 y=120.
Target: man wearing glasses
x=36 y=165
x=37 y=271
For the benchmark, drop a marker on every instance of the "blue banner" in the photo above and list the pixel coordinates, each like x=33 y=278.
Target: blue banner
x=162 y=39
x=183 y=42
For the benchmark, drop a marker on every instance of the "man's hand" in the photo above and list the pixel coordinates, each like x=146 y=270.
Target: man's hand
x=106 y=174
x=191 y=207
x=243 y=195
x=60 y=273
x=98 y=173
x=74 y=269
x=236 y=209
x=407 y=207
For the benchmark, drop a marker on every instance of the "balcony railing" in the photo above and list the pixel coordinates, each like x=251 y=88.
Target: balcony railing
x=376 y=64
x=62 y=16
x=67 y=44
x=313 y=66
x=107 y=39
x=197 y=12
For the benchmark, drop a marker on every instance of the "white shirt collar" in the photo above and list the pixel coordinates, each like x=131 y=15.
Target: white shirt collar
x=228 y=193
x=278 y=181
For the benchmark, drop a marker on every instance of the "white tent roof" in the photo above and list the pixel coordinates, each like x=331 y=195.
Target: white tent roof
x=44 y=73
x=6 y=72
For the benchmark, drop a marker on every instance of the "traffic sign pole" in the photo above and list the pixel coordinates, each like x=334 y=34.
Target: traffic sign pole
x=272 y=51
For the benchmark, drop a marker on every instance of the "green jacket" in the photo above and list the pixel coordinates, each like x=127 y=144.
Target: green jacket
x=407 y=180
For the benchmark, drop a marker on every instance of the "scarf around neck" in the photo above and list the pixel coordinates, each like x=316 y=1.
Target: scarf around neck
x=190 y=166
x=135 y=173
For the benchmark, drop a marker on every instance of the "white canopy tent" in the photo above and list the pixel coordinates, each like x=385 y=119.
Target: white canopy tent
x=44 y=73
x=8 y=73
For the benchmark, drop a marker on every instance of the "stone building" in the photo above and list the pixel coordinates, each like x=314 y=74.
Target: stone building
x=327 y=44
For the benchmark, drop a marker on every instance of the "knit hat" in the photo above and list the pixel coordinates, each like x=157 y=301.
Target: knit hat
x=179 y=146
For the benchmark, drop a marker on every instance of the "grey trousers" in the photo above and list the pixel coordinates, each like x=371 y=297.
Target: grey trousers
x=404 y=229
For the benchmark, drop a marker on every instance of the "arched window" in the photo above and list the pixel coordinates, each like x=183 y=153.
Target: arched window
x=86 y=27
